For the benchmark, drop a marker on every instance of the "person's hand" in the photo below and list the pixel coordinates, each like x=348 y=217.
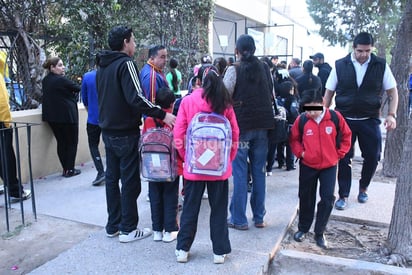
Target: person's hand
x=169 y=119
x=390 y=123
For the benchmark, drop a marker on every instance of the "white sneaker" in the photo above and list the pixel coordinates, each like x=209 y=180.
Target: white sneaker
x=219 y=259
x=135 y=235
x=1 y=189
x=181 y=256
x=147 y=198
x=157 y=236
x=169 y=236
x=25 y=195
x=205 y=196
x=115 y=234
x=268 y=174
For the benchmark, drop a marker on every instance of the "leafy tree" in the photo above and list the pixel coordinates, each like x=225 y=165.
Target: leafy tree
x=20 y=21
x=81 y=30
x=76 y=29
x=341 y=20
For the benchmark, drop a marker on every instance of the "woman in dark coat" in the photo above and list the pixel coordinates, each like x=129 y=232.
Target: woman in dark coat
x=60 y=111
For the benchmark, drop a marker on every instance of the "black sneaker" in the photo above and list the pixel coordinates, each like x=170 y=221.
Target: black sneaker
x=71 y=173
x=100 y=178
x=25 y=195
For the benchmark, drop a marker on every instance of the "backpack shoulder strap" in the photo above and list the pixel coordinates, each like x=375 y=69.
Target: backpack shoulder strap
x=158 y=124
x=335 y=119
x=302 y=121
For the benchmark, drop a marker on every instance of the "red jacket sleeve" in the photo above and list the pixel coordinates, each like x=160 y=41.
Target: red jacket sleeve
x=148 y=124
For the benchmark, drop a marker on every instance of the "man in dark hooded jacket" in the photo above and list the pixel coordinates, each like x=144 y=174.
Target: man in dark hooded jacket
x=324 y=68
x=121 y=105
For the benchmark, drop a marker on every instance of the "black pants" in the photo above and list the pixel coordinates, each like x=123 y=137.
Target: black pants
x=8 y=171
x=67 y=137
x=164 y=197
x=218 y=201
x=308 y=181
x=93 y=136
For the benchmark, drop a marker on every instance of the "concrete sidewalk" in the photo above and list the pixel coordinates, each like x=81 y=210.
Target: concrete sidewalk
x=75 y=199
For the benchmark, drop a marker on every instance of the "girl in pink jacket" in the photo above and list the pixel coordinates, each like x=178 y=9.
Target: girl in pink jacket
x=211 y=97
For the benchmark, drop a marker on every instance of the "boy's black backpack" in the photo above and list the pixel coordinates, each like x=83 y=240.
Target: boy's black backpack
x=303 y=119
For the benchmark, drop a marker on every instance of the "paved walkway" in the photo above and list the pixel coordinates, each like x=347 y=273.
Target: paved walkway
x=77 y=200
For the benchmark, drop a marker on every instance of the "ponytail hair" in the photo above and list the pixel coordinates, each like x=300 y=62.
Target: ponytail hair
x=51 y=61
x=310 y=96
x=214 y=90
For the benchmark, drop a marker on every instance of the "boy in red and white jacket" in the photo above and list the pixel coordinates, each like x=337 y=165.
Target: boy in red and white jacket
x=316 y=147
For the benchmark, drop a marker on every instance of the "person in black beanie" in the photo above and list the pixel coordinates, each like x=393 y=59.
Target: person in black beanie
x=250 y=84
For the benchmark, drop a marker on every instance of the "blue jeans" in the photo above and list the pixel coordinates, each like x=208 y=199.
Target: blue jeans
x=122 y=162
x=253 y=144
x=369 y=138
x=218 y=200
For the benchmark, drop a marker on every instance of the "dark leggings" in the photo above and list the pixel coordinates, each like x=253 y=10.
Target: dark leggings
x=67 y=137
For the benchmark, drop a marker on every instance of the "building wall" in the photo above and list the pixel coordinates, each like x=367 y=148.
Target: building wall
x=43 y=144
x=270 y=22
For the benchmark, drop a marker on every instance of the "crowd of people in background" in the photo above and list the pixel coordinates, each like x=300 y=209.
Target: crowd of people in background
x=247 y=91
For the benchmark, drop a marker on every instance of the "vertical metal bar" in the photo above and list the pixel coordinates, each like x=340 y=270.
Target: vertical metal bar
x=4 y=175
x=16 y=139
x=33 y=199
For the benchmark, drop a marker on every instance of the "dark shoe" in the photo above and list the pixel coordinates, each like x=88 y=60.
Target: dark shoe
x=71 y=173
x=238 y=227
x=299 y=236
x=100 y=178
x=321 y=241
x=290 y=168
x=1 y=189
x=26 y=194
x=260 y=225
x=362 y=197
x=341 y=204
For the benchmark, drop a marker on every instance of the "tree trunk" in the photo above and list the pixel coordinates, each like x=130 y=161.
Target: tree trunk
x=400 y=229
x=401 y=53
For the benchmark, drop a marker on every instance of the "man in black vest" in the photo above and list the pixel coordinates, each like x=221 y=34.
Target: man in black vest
x=358 y=80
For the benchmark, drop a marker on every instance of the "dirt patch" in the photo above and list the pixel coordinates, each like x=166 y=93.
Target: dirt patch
x=346 y=240
x=28 y=246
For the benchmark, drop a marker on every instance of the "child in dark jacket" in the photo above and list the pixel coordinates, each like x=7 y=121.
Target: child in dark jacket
x=286 y=97
x=164 y=195
x=315 y=144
